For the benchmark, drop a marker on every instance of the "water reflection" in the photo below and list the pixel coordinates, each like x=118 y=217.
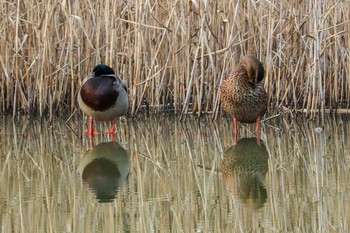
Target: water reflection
x=105 y=169
x=173 y=182
x=244 y=169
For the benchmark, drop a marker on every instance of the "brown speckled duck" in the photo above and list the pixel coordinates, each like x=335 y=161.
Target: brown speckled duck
x=243 y=95
x=244 y=169
x=103 y=97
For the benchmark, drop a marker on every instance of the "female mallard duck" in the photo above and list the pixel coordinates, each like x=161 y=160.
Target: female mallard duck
x=244 y=168
x=243 y=95
x=103 y=97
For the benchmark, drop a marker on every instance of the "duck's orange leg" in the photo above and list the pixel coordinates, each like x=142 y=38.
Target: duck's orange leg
x=235 y=123
x=91 y=131
x=91 y=142
x=111 y=132
x=257 y=130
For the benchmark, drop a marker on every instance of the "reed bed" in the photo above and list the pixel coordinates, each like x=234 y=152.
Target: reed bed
x=174 y=55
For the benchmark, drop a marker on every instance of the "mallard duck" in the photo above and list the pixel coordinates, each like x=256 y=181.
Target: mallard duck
x=103 y=97
x=105 y=169
x=243 y=95
x=244 y=169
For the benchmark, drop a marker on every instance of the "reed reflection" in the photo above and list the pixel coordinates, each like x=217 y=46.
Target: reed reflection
x=244 y=169
x=105 y=169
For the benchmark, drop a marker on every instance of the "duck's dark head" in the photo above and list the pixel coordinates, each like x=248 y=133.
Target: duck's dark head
x=254 y=68
x=103 y=69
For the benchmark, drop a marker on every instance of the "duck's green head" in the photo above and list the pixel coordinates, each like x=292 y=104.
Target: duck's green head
x=103 y=69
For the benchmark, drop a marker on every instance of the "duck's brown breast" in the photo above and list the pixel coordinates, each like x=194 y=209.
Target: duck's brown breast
x=241 y=99
x=98 y=93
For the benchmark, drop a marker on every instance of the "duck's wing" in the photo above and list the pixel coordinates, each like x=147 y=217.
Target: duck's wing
x=122 y=82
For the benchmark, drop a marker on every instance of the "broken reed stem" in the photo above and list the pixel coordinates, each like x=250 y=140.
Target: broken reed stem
x=174 y=55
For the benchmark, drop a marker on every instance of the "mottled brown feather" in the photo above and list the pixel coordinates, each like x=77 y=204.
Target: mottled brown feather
x=242 y=93
x=244 y=169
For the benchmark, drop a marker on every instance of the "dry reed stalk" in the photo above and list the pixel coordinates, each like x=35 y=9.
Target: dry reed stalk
x=174 y=54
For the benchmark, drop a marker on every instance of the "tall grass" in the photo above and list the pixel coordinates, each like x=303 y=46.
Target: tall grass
x=174 y=54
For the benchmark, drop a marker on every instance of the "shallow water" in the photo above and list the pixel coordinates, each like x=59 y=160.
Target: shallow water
x=163 y=175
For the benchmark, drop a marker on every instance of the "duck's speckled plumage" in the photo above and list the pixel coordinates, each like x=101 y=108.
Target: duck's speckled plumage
x=242 y=93
x=244 y=169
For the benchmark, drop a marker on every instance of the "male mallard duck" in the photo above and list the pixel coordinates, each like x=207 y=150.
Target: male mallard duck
x=105 y=169
x=103 y=97
x=243 y=95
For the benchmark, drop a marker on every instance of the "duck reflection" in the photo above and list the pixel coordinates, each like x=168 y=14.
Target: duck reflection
x=244 y=168
x=105 y=169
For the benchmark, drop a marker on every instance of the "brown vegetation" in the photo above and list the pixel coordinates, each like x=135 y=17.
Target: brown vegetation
x=174 y=54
